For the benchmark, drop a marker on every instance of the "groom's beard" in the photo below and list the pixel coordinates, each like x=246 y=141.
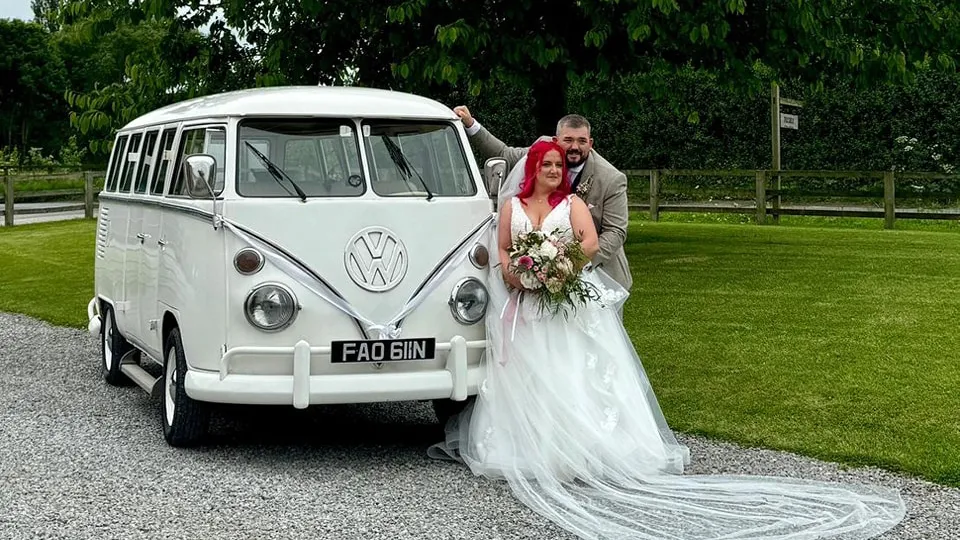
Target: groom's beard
x=580 y=161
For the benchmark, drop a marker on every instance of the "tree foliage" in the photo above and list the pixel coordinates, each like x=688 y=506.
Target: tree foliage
x=32 y=81
x=131 y=61
x=430 y=45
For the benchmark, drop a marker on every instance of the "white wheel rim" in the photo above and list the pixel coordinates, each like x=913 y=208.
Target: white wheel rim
x=107 y=343
x=170 y=386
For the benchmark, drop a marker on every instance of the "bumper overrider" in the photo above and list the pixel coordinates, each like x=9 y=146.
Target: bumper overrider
x=456 y=380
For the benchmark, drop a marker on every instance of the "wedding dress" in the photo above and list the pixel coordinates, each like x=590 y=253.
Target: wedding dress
x=567 y=417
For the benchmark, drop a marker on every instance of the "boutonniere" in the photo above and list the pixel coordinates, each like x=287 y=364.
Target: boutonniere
x=584 y=187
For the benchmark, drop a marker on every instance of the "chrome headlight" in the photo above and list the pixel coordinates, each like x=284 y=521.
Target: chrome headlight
x=468 y=301
x=271 y=307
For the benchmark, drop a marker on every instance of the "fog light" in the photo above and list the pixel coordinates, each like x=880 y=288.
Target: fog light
x=479 y=256
x=248 y=261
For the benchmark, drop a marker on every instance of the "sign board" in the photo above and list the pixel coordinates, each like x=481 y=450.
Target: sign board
x=789 y=121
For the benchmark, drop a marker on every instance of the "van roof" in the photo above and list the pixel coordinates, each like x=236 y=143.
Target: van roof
x=340 y=101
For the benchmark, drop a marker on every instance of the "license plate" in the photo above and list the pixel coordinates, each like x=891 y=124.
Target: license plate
x=382 y=350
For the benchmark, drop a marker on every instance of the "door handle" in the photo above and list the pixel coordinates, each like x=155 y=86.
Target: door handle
x=143 y=236
x=161 y=242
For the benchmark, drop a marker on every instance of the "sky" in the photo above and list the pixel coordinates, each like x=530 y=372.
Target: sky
x=16 y=9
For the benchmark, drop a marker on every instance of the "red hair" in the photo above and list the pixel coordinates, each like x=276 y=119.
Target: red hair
x=535 y=157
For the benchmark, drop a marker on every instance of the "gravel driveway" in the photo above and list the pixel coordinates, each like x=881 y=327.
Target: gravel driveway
x=81 y=459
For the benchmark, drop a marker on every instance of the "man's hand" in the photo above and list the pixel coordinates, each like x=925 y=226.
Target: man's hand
x=464 y=113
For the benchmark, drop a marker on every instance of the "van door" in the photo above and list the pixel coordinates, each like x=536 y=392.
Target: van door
x=128 y=318
x=148 y=234
x=190 y=279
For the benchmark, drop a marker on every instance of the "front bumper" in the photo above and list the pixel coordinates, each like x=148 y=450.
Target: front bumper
x=455 y=381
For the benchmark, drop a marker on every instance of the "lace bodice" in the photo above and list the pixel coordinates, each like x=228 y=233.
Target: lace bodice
x=559 y=217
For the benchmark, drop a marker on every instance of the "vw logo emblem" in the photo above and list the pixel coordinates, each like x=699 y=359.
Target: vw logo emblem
x=376 y=259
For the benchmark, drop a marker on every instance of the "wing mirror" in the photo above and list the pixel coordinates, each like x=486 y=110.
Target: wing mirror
x=494 y=174
x=200 y=170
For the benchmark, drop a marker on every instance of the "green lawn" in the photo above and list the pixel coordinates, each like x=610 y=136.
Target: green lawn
x=840 y=344
x=46 y=270
x=836 y=343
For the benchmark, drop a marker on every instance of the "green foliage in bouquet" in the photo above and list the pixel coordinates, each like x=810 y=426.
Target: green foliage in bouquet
x=549 y=265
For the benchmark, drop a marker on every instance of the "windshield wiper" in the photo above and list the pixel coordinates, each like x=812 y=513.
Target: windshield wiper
x=403 y=164
x=277 y=173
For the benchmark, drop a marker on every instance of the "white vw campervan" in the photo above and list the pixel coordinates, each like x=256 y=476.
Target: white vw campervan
x=293 y=246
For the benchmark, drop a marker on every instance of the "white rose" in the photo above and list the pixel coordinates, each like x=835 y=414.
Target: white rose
x=548 y=251
x=530 y=281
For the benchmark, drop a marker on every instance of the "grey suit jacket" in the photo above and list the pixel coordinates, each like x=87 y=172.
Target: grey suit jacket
x=602 y=186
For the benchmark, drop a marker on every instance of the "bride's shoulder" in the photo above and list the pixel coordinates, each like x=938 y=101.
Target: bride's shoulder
x=575 y=201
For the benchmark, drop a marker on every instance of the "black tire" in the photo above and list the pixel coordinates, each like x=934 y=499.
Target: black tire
x=446 y=408
x=186 y=425
x=112 y=348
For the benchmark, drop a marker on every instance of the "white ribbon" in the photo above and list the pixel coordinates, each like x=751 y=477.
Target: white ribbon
x=388 y=330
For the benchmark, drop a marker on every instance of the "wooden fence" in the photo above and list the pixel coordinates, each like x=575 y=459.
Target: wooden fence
x=69 y=199
x=768 y=198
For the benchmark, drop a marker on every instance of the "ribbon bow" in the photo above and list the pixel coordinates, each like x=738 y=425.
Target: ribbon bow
x=385 y=331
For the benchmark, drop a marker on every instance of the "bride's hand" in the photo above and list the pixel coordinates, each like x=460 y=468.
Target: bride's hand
x=511 y=279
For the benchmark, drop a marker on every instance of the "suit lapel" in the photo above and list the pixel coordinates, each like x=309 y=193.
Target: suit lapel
x=588 y=182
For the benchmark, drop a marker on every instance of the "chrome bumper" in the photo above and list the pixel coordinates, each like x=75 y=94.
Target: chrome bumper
x=455 y=381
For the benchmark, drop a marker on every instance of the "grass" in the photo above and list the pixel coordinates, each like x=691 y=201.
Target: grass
x=47 y=270
x=840 y=344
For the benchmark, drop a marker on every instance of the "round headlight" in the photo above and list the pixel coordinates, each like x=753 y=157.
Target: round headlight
x=468 y=301
x=479 y=256
x=270 y=307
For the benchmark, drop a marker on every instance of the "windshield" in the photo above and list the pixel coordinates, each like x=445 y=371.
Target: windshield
x=417 y=159
x=320 y=156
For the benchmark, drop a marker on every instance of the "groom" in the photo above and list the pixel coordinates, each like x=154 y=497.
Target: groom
x=592 y=178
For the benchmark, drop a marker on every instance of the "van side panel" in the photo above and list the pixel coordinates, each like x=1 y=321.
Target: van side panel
x=111 y=237
x=190 y=279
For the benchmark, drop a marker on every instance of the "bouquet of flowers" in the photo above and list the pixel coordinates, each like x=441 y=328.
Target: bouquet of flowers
x=550 y=266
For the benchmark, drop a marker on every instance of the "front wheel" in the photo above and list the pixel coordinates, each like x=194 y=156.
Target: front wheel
x=185 y=420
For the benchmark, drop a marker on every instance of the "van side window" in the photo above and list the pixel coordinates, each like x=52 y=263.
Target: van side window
x=146 y=161
x=160 y=173
x=119 y=152
x=130 y=163
x=204 y=140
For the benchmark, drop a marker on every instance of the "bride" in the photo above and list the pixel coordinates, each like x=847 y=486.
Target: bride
x=567 y=417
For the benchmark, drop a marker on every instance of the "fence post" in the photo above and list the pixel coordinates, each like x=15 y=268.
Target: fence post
x=889 y=209
x=87 y=194
x=776 y=199
x=655 y=195
x=7 y=198
x=761 y=197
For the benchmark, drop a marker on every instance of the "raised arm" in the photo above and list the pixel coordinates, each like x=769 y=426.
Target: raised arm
x=486 y=144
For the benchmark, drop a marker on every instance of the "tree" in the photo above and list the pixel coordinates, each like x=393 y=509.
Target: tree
x=128 y=62
x=46 y=12
x=432 y=45
x=32 y=81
